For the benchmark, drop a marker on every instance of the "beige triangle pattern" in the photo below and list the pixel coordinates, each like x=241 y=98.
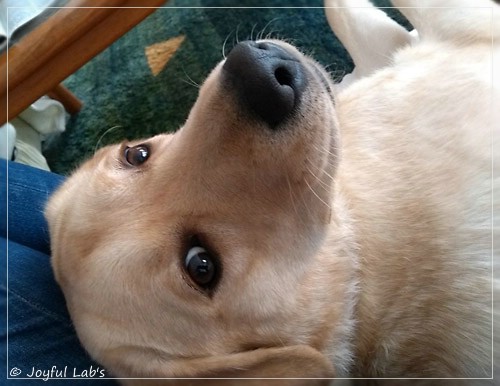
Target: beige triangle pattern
x=159 y=54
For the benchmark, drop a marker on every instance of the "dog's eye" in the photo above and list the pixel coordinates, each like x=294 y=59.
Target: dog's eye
x=136 y=155
x=200 y=266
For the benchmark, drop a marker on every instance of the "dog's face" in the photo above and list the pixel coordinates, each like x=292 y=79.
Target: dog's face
x=199 y=252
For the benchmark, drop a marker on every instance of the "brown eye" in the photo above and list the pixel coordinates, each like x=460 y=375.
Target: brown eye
x=136 y=155
x=200 y=267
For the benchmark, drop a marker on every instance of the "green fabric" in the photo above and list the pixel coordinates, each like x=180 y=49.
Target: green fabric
x=118 y=89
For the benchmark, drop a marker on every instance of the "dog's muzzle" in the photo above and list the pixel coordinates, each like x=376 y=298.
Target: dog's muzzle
x=267 y=79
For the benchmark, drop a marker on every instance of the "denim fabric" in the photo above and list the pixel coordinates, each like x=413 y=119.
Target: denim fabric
x=29 y=189
x=38 y=331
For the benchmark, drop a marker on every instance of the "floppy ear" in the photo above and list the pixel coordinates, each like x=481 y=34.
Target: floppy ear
x=275 y=362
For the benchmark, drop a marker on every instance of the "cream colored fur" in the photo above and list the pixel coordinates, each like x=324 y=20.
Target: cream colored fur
x=355 y=242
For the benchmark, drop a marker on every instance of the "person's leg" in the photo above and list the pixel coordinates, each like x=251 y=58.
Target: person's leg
x=29 y=189
x=39 y=334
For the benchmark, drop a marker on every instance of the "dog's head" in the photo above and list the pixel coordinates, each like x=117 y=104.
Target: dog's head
x=199 y=253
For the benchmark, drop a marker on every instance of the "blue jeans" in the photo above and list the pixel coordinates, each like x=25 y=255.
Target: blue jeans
x=41 y=339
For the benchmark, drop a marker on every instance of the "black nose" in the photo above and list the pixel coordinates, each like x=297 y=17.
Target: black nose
x=267 y=79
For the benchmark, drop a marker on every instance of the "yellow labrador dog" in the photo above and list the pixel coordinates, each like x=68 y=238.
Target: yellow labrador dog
x=294 y=228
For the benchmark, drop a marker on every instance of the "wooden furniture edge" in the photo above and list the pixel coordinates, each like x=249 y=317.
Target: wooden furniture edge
x=34 y=70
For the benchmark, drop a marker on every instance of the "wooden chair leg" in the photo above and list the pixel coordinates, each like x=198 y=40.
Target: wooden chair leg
x=70 y=102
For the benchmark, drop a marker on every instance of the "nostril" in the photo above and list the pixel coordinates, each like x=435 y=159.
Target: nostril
x=283 y=76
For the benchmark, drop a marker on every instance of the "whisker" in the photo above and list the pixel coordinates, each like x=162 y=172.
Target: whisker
x=328 y=161
x=323 y=184
x=261 y=33
x=269 y=35
x=328 y=174
x=103 y=135
x=251 y=32
x=317 y=196
x=191 y=81
x=237 y=31
x=224 y=45
x=325 y=151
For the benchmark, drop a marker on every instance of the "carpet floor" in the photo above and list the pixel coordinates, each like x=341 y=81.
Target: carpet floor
x=146 y=82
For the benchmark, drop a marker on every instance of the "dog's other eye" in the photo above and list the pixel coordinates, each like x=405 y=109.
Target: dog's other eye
x=200 y=266
x=136 y=155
